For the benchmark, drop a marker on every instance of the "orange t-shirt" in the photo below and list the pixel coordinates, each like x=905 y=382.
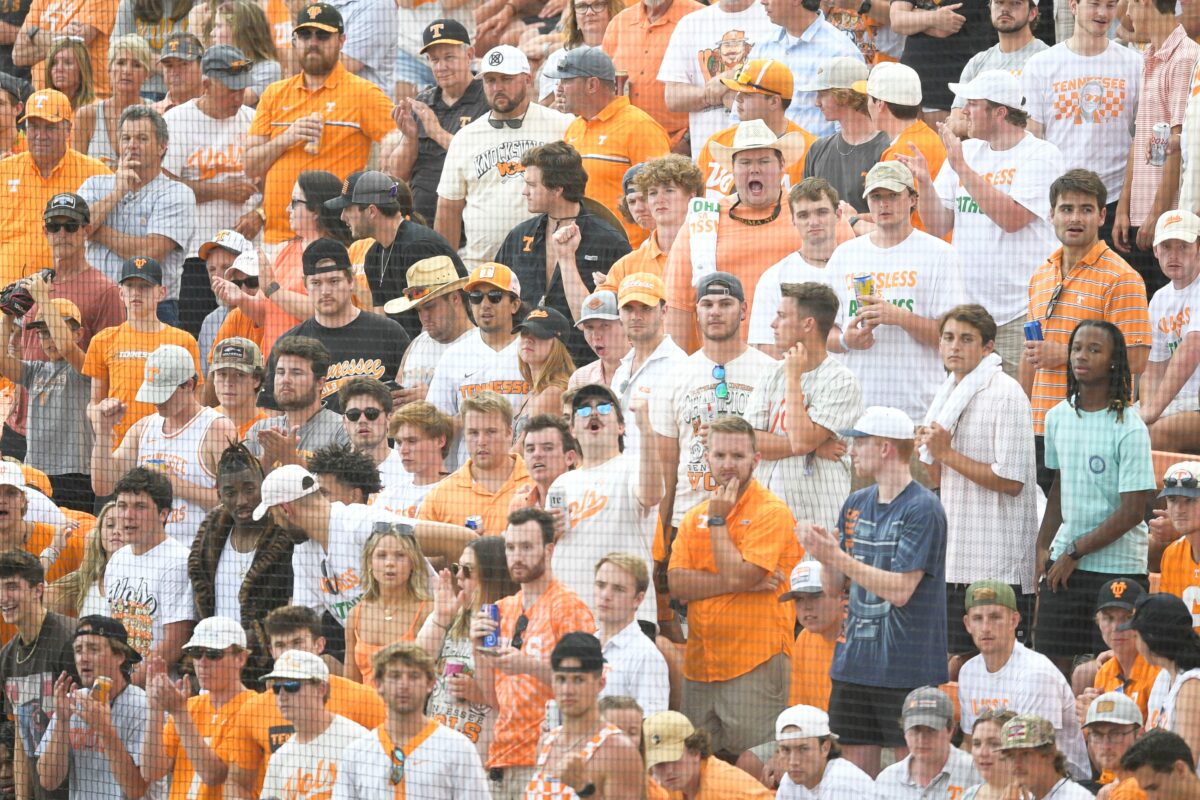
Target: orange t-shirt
x=926 y=140
x=282 y=24
x=68 y=560
x=458 y=496
x=1137 y=685
x=357 y=114
x=521 y=699
x=214 y=725
x=648 y=257
x=237 y=323
x=620 y=136
x=259 y=729
x=1181 y=576
x=119 y=355
x=636 y=46
x=721 y=645
x=54 y=15
x=721 y=781
x=812 y=655
x=718 y=179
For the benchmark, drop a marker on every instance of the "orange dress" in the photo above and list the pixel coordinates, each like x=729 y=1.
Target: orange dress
x=364 y=652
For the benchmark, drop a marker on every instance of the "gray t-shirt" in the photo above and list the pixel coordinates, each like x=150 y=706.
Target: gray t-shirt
x=59 y=436
x=323 y=429
x=845 y=165
x=994 y=58
x=163 y=206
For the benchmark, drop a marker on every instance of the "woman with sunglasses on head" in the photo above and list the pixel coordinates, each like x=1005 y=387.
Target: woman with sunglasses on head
x=482 y=578
x=395 y=602
x=545 y=365
x=243 y=24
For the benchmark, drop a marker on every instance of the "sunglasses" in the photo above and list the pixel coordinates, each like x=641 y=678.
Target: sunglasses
x=461 y=570
x=330 y=582
x=246 y=283
x=291 y=687
x=603 y=409
x=304 y=34
x=519 y=632
x=69 y=227
x=722 y=388
x=1189 y=482
x=371 y=414
x=515 y=124
x=417 y=292
x=205 y=654
x=397 y=773
x=493 y=296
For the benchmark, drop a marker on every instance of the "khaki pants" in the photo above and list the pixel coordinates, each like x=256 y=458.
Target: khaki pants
x=740 y=713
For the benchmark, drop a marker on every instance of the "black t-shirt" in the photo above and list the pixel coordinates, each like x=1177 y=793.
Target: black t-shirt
x=29 y=674
x=845 y=165
x=524 y=252
x=941 y=61
x=13 y=12
x=427 y=170
x=369 y=347
x=386 y=268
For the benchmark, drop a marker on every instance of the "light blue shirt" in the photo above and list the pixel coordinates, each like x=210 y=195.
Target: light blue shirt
x=803 y=55
x=372 y=28
x=1098 y=459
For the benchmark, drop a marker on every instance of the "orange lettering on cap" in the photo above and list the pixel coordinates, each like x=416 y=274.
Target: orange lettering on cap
x=314 y=12
x=1173 y=219
x=1119 y=588
x=139 y=262
x=537 y=313
x=346 y=186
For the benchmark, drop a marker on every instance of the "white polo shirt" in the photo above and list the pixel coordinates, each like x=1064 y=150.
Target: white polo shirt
x=633 y=667
x=958 y=773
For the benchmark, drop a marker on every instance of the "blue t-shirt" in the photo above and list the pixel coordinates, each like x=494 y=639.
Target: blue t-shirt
x=885 y=645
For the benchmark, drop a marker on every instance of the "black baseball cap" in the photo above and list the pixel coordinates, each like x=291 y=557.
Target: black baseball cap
x=365 y=188
x=1119 y=593
x=109 y=628
x=19 y=88
x=325 y=255
x=720 y=283
x=584 y=647
x=1159 y=616
x=142 y=267
x=444 y=31
x=594 y=391
x=544 y=323
x=321 y=16
x=70 y=205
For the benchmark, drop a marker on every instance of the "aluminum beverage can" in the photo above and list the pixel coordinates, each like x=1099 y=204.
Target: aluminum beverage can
x=556 y=500
x=864 y=284
x=101 y=687
x=492 y=610
x=475 y=522
x=621 y=80
x=553 y=716
x=1033 y=331
x=1159 y=138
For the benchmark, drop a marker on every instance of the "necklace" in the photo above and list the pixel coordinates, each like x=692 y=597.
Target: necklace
x=32 y=649
x=752 y=222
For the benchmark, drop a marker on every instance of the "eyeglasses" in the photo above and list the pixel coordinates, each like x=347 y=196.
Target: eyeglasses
x=371 y=414
x=291 y=687
x=461 y=570
x=294 y=203
x=397 y=774
x=722 y=389
x=603 y=409
x=590 y=8
x=1176 y=480
x=246 y=283
x=519 y=632
x=69 y=227
x=515 y=124
x=493 y=296
x=304 y=34
x=205 y=653
x=1112 y=736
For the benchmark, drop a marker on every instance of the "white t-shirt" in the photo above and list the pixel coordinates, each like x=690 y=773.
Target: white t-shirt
x=1171 y=319
x=650 y=382
x=704 y=44
x=1028 y=683
x=483 y=167
x=997 y=265
x=841 y=781
x=444 y=767
x=310 y=769
x=813 y=488
x=691 y=402
x=392 y=472
x=404 y=498
x=923 y=275
x=422 y=357
x=767 y=294
x=332 y=579
x=991 y=535
x=1086 y=106
x=203 y=148
x=231 y=574
x=606 y=517
x=149 y=591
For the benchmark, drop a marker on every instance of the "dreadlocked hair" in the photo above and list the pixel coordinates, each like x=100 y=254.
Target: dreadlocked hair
x=236 y=458
x=1120 y=379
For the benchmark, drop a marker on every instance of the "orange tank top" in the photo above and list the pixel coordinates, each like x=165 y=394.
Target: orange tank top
x=544 y=787
x=364 y=652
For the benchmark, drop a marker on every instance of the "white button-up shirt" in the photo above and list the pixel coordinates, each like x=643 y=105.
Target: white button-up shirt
x=633 y=667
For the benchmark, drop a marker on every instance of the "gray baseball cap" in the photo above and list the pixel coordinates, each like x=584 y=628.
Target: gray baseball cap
x=584 y=62
x=364 y=189
x=227 y=64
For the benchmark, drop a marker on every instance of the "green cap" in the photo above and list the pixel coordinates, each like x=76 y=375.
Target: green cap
x=991 y=593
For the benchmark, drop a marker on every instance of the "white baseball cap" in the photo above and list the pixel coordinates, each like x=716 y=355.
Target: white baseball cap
x=11 y=475
x=996 y=85
x=1114 y=707
x=885 y=422
x=892 y=82
x=838 y=73
x=246 y=263
x=1177 y=224
x=217 y=633
x=504 y=59
x=167 y=368
x=805 y=579
x=297 y=665
x=226 y=239
x=285 y=484
x=810 y=722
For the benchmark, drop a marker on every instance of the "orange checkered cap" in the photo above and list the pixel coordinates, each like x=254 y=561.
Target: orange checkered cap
x=762 y=76
x=50 y=105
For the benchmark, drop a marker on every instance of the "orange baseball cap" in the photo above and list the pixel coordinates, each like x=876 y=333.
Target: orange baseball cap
x=50 y=105
x=66 y=309
x=495 y=275
x=762 y=76
x=641 y=287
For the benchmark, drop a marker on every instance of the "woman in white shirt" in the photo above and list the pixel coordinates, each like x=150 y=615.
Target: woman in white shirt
x=1166 y=639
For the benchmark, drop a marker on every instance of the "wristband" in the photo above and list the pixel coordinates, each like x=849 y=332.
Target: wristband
x=271 y=289
x=51 y=554
x=715 y=521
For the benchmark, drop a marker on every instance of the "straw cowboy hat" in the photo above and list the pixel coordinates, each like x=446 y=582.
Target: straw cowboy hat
x=755 y=135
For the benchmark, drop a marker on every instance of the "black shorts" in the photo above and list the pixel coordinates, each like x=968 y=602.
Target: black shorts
x=868 y=715
x=958 y=640
x=1066 y=619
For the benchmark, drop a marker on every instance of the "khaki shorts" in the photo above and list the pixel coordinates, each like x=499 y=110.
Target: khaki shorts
x=740 y=713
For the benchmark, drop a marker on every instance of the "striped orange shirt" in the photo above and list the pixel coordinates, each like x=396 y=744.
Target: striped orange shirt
x=1101 y=286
